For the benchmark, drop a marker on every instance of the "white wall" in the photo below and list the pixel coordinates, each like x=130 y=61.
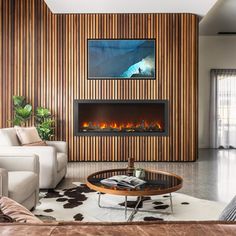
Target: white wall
x=215 y=52
x=199 y=7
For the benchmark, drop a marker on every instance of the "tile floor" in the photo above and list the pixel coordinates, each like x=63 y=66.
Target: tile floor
x=212 y=177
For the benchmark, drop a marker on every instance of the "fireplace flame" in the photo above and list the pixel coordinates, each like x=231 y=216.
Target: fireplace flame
x=114 y=125
x=125 y=126
x=103 y=125
x=85 y=125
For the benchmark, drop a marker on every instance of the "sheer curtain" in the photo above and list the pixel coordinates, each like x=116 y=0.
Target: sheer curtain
x=223 y=109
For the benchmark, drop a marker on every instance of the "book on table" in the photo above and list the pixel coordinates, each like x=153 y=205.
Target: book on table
x=123 y=181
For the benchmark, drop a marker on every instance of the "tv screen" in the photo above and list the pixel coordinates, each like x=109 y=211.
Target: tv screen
x=121 y=59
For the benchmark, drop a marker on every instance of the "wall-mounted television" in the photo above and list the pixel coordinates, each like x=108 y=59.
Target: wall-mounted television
x=121 y=59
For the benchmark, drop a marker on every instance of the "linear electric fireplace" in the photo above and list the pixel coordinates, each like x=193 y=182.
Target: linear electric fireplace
x=123 y=117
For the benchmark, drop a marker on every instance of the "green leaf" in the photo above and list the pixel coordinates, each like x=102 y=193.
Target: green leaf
x=44 y=123
x=43 y=112
x=17 y=121
x=19 y=101
x=28 y=108
x=24 y=113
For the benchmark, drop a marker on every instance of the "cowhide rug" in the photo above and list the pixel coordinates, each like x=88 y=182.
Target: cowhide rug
x=81 y=204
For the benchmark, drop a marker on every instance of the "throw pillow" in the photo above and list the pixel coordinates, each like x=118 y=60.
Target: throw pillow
x=29 y=136
x=17 y=212
x=229 y=213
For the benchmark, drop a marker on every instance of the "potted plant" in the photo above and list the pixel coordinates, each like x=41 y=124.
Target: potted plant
x=44 y=123
x=22 y=111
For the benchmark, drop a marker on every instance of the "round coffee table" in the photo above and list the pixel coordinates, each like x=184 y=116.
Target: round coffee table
x=157 y=183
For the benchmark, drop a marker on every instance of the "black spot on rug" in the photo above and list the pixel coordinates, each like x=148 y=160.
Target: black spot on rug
x=52 y=194
x=78 y=217
x=157 y=203
x=151 y=218
x=185 y=203
x=132 y=204
x=73 y=192
x=161 y=207
x=62 y=199
x=72 y=204
x=48 y=210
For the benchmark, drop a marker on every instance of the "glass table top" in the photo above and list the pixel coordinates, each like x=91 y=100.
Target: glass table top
x=157 y=182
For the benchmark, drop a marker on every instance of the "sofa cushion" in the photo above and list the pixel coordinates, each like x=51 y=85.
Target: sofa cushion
x=61 y=161
x=27 y=135
x=8 y=137
x=41 y=143
x=21 y=184
x=17 y=212
x=229 y=213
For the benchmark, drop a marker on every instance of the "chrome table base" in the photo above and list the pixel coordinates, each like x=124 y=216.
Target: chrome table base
x=136 y=208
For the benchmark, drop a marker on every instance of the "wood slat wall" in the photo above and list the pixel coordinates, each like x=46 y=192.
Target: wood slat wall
x=44 y=57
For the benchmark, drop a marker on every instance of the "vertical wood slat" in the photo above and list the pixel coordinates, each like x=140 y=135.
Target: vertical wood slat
x=44 y=57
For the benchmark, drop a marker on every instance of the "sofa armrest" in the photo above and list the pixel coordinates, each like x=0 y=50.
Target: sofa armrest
x=20 y=162
x=3 y=182
x=60 y=146
x=46 y=153
x=47 y=160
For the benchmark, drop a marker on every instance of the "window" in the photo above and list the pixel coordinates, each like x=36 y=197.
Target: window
x=224 y=86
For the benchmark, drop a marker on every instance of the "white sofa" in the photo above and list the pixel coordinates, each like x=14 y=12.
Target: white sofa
x=52 y=158
x=19 y=179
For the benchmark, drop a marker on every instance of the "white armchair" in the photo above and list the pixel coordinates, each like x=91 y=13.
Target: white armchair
x=52 y=158
x=19 y=179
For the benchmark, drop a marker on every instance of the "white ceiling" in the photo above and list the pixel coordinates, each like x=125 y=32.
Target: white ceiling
x=221 y=18
x=199 y=7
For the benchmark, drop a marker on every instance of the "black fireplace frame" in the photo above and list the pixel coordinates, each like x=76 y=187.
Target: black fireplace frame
x=76 y=118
